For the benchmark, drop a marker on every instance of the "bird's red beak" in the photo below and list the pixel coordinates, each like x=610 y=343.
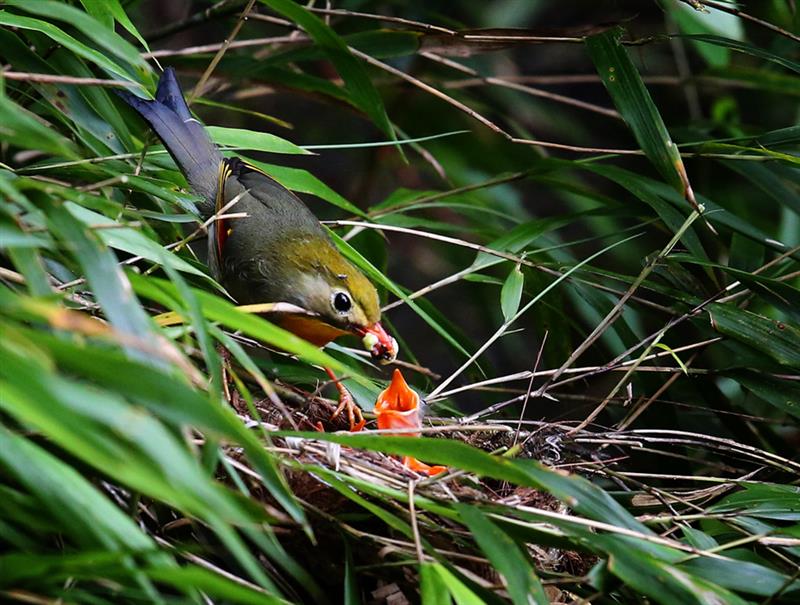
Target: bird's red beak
x=397 y=407
x=377 y=341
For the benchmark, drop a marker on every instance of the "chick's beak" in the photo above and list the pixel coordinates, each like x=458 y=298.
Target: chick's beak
x=398 y=397
x=377 y=341
x=397 y=407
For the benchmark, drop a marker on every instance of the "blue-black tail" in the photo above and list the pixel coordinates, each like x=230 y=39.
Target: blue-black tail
x=184 y=137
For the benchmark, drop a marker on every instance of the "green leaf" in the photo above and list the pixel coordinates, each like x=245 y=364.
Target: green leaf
x=107 y=280
x=457 y=589
x=523 y=585
x=129 y=240
x=778 y=340
x=303 y=181
x=637 y=185
x=707 y=21
x=226 y=588
x=660 y=580
x=103 y=37
x=351 y=593
x=749 y=49
x=511 y=293
x=768 y=501
x=578 y=493
x=111 y=10
x=356 y=80
x=742 y=576
x=84 y=513
x=633 y=101
x=250 y=139
x=433 y=589
x=19 y=128
x=60 y=36
x=783 y=394
x=166 y=394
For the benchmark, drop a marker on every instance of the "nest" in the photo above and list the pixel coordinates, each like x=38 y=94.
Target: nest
x=380 y=549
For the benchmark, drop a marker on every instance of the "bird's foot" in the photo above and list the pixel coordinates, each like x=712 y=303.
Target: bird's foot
x=346 y=402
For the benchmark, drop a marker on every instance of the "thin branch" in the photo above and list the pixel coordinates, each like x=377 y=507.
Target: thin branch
x=537 y=92
x=217 y=46
x=427 y=27
x=731 y=9
x=200 y=87
x=54 y=79
x=480 y=118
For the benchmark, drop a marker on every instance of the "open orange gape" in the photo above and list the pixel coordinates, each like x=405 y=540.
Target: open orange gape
x=398 y=407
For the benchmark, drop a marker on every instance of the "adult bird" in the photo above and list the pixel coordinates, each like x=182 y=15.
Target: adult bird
x=277 y=251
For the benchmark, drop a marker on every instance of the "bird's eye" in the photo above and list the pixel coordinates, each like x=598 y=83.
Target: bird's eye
x=341 y=302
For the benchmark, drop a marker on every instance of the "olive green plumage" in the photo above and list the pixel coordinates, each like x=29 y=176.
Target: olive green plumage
x=278 y=252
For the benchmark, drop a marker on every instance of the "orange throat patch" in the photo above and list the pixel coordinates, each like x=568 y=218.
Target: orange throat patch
x=312 y=329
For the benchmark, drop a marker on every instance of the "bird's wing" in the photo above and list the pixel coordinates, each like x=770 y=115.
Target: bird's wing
x=218 y=229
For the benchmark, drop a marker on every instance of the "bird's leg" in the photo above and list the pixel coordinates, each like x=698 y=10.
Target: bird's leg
x=346 y=402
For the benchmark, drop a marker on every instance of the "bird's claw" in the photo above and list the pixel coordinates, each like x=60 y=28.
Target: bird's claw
x=346 y=402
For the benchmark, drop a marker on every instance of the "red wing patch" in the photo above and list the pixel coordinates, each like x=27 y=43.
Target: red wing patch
x=220 y=225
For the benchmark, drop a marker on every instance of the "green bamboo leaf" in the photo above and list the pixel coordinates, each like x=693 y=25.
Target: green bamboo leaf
x=229 y=590
x=61 y=37
x=433 y=590
x=13 y=237
x=768 y=501
x=783 y=394
x=22 y=569
x=94 y=30
x=759 y=79
x=633 y=101
x=457 y=589
x=351 y=593
x=780 y=185
x=85 y=104
x=356 y=79
x=250 y=139
x=637 y=185
x=504 y=554
x=217 y=309
x=303 y=181
x=30 y=263
x=781 y=294
x=660 y=580
x=143 y=454
x=19 y=128
x=743 y=576
x=581 y=495
x=778 y=340
x=83 y=512
x=129 y=240
x=111 y=10
x=164 y=394
x=746 y=48
x=107 y=280
x=511 y=293
x=708 y=21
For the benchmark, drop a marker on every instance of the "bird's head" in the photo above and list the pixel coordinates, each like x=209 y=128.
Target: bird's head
x=341 y=297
